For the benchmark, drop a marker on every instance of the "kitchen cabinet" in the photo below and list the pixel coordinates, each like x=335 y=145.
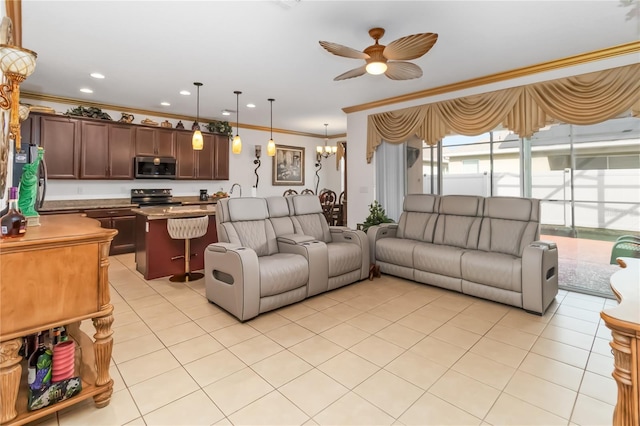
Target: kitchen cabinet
x=60 y=138
x=211 y=163
x=155 y=142
x=122 y=220
x=107 y=151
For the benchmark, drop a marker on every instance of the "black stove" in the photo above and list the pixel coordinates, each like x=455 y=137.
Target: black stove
x=153 y=197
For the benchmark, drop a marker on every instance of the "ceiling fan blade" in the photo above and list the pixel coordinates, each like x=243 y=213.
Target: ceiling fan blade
x=402 y=71
x=340 y=50
x=356 y=72
x=410 y=47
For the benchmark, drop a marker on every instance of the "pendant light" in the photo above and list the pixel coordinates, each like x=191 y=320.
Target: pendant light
x=197 y=143
x=271 y=145
x=236 y=145
x=326 y=151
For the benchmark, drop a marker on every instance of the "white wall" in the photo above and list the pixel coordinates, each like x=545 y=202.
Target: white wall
x=241 y=168
x=361 y=183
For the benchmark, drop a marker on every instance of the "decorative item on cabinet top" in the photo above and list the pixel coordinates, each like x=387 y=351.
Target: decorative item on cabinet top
x=126 y=118
x=166 y=124
x=222 y=127
x=91 y=112
x=149 y=122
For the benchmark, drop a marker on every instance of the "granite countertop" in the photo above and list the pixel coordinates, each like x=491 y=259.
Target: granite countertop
x=187 y=201
x=87 y=204
x=166 y=212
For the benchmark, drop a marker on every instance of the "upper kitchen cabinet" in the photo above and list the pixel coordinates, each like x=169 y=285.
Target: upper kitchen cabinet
x=185 y=156
x=60 y=138
x=221 y=157
x=210 y=163
x=107 y=151
x=155 y=142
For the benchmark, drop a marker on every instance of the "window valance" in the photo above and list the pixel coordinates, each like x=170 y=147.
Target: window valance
x=583 y=99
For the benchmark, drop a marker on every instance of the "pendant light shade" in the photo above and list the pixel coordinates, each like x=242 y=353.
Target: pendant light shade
x=197 y=143
x=271 y=145
x=236 y=145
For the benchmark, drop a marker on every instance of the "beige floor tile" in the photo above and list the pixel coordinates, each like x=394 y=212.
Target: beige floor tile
x=163 y=322
x=121 y=409
x=131 y=293
x=345 y=335
x=561 y=352
x=281 y=368
x=600 y=364
x=156 y=310
x=602 y=347
x=389 y=392
x=400 y=335
x=453 y=301
x=313 y=391
x=471 y=323
x=147 y=366
x=163 y=389
x=352 y=409
x=541 y=393
x=488 y=311
x=118 y=381
x=348 y=369
x=579 y=313
x=214 y=367
x=595 y=304
x=570 y=337
x=134 y=348
x=238 y=390
x=180 y=333
x=436 y=313
x=599 y=387
x=465 y=393
x=148 y=301
x=271 y=409
x=528 y=324
x=289 y=335
x=130 y=331
x=377 y=350
x=201 y=310
x=268 y=321
x=320 y=302
x=456 y=336
x=575 y=324
x=553 y=371
x=509 y=410
x=438 y=351
x=390 y=311
x=592 y=412
x=318 y=322
x=296 y=311
x=342 y=312
x=215 y=322
x=603 y=332
x=185 y=301
x=420 y=323
x=484 y=370
x=433 y=411
x=368 y=322
x=316 y=350
x=195 y=348
x=122 y=318
x=255 y=349
x=512 y=337
x=364 y=302
x=416 y=369
x=234 y=334
x=498 y=351
x=193 y=409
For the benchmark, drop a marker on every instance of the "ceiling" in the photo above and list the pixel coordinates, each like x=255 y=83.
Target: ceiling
x=150 y=50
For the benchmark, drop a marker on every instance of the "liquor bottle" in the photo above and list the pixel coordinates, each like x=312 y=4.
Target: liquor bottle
x=13 y=224
x=39 y=370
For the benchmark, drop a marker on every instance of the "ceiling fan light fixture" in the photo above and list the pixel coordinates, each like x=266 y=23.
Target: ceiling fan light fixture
x=376 y=68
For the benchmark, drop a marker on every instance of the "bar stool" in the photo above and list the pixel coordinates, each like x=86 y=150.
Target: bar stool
x=186 y=229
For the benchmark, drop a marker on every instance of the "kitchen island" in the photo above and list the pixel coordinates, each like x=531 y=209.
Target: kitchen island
x=157 y=254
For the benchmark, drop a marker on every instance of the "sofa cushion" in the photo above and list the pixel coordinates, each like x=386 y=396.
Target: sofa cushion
x=282 y=272
x=418 y=220
x=279 y=216
x=458 y=223
x=258 y=235
x=308 y=218
x=443 y=260
x=509 y=225
x=343 y=258
x=397 y=251
x=493 y=269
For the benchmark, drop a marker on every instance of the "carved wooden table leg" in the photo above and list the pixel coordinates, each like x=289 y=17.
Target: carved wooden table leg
x=10 y=372
x=624 y=358
x=102 y=349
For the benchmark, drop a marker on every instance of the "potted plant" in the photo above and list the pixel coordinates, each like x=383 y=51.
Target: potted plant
x=222 y=127
x=377 y=215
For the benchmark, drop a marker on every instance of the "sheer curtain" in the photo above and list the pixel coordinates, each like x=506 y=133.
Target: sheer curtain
x=391 y=172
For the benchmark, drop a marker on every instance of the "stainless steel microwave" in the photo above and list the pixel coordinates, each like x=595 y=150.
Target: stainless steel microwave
x=155 y=167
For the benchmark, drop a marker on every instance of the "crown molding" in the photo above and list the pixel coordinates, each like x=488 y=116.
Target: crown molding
x=596 y=55
x=76 y=102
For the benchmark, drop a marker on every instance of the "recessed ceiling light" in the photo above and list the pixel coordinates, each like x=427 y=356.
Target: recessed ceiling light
x=251 y=105
x=225 y=112
x=165 y=104
x=97 y=75
x=185 y=92
x=85 y=90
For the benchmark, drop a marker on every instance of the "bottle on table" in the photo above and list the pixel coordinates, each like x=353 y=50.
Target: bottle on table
x=13 y=224
x=39 y=370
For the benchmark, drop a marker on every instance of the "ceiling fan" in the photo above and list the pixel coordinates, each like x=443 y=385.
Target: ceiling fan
x=389 y=59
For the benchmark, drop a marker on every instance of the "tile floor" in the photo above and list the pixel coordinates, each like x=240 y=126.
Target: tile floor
x=382 y=352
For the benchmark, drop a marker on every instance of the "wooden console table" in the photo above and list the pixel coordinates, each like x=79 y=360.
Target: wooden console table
x=56 y=275
x=624 y=322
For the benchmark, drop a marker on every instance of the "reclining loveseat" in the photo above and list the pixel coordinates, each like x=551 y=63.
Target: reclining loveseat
x=485 y=247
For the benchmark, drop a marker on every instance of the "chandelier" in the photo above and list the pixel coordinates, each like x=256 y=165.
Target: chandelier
x=325 y=151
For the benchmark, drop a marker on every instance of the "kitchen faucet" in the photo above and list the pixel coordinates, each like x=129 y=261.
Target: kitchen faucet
x=233 y=186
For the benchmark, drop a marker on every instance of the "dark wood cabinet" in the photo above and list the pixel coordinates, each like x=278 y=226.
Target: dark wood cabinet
x=221 y=157
x=60 y=138
x=185 y=156
x=151 y=142
x=211 y=163
x=204 y=158
x=123 y=220
x=107 y=151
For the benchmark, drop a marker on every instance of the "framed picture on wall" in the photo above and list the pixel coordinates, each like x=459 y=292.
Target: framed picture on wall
x=288 y=166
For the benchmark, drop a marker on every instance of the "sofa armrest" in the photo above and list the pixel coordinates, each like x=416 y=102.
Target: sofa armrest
x=316 y=254
x=232 y=279
x=343 y=234
x=539 y=276
x=295 y=238
x=374 y=233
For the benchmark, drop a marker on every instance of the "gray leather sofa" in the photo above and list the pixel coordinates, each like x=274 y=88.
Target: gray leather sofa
x=277 y=251
x=485 y=247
